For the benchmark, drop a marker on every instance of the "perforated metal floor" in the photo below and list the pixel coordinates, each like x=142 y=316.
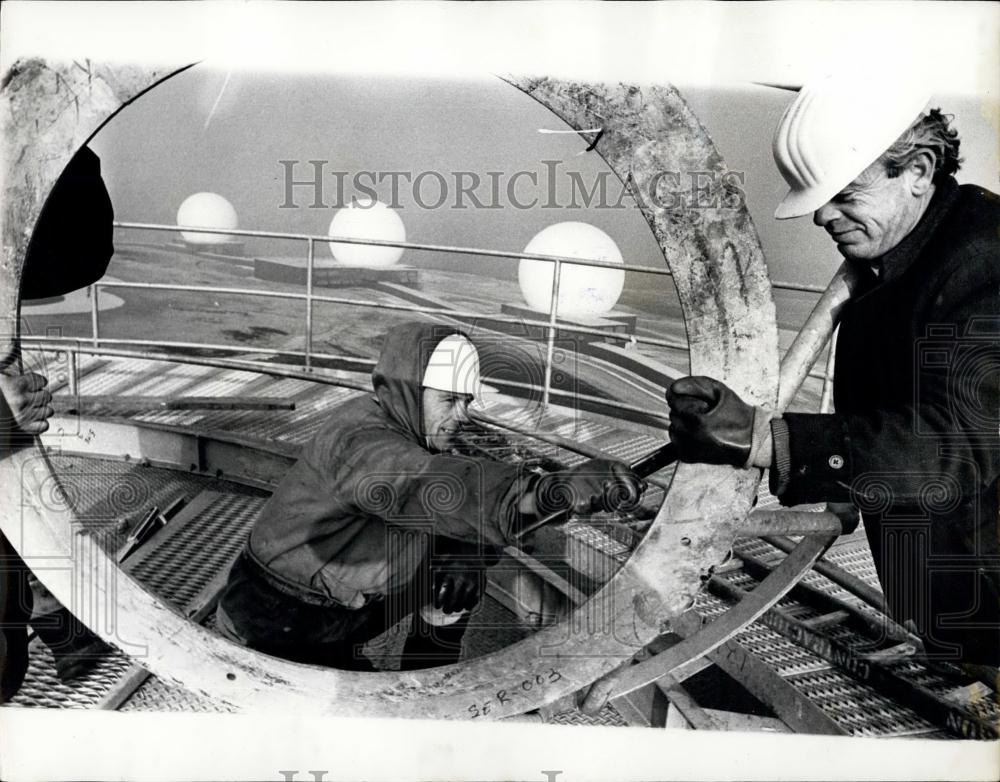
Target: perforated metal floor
x=111 y=495
x=42 y=688
x=188 y=558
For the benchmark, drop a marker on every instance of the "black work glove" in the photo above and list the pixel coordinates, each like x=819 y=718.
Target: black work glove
x=709 y=423
x=456 y=587
x=594 y=485
x=848 y=515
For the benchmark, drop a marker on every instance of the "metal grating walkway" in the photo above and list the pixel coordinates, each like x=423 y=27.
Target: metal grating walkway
x=185 y=559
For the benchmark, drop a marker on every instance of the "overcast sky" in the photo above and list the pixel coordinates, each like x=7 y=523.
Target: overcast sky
x=399 y=86
x=226 y=132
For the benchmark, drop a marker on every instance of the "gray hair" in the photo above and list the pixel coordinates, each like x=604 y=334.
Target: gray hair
x=931 y=132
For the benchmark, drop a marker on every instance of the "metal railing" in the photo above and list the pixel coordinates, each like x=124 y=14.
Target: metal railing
x=552 y=324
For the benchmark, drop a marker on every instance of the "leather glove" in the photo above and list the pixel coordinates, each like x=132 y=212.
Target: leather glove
x=709 y=423
x=848 y=515
x=594 y=485
x=456 y=587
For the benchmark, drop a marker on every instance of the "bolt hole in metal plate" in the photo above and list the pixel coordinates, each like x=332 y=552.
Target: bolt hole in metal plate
x=719 y=274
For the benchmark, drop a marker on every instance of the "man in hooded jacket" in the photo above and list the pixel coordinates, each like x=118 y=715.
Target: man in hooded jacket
x=377 y=520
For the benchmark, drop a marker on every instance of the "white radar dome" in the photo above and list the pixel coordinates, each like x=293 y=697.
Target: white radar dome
x=584 y=291
x=207 y=210
x=367 y=219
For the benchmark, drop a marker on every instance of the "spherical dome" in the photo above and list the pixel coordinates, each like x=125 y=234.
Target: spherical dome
x=367 y=219
x=206 y=210
x=584 y=291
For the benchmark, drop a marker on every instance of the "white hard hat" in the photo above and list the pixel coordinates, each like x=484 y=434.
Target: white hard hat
x=453 y=366
x=836 y=128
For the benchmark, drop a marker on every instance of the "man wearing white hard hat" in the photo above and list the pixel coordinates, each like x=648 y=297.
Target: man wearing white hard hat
x=379 y=518
x=915 y=440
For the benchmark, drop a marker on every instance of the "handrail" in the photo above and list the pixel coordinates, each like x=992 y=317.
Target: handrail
x=310 y=262
x=75 y=346
x=441 y=248
x=454 y=313
x=422 y=246
x=326 y=377
x=552 y=324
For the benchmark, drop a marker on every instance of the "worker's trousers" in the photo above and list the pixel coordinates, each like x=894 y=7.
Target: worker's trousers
x=253 y=611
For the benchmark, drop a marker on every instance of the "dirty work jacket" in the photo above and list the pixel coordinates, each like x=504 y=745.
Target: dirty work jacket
x=354 y=516
x=915 y=440
x=72 y=241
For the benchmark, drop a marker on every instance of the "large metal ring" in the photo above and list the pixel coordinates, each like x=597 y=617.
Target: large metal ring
x=650 y=136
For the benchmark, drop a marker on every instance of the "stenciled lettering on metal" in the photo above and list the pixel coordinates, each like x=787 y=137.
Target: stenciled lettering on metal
x=50 y=109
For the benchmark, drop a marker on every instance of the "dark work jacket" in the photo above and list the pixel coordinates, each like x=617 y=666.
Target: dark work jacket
x=915 y=440
x=353 y=518
x=69 y=248
x=72 y=242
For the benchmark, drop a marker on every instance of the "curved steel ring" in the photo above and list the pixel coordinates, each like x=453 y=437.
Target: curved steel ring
x=650 y=139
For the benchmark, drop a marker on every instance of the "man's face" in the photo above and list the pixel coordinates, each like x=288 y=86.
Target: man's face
x=872 y=214
x=444 y=414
